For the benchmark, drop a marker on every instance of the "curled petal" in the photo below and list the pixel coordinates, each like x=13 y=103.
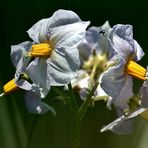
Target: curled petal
x=44 y=29
x=18 y=51
x=124 y=31
x=138 y=51
x=36 y=30
x=121 y=47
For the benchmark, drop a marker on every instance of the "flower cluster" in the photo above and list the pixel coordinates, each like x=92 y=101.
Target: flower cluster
x=65 y=50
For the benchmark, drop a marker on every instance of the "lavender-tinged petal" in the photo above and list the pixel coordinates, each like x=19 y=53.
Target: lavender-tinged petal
x=69 y=35
x=63 y=67
x=121 y=47
x=113 y=80
x=21 y=68
x=83 y=93
x=125 y=94
x=138 y=51
x=100 y=91
x=124 y=31
x=37 y=72
x=63 y=17
x=44 y=29
x=36 y=30
x=18 y=51
x=35 y=106
x=124 y=127
x=96 y=39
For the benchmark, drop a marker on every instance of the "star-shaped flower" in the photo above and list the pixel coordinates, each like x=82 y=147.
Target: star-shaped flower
x=116 y=80
x=52 y=59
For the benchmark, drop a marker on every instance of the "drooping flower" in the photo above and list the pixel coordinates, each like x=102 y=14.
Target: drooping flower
x=21 y=80
x=117 y=80
x=64 y=31
x=53 y=58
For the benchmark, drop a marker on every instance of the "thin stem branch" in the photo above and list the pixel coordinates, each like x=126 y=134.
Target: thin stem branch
x=85 y=104
x=74 y=104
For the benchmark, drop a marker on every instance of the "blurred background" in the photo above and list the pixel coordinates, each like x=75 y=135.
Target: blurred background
x=20 y=129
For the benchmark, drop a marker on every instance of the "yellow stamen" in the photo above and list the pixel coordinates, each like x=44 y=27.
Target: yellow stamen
x=40 y=50
x=136 y=70
x=10 y=87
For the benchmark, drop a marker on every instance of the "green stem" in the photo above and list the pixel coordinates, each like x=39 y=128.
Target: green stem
x=85 y=104
x=76 y=124
x=75 y=133
x=73 y=101
x=92 y=76
x=31 y=131
x=73 y=105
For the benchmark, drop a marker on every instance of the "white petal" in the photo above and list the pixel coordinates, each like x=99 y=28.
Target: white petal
x=44 y=30
x=122 y=47
x=37 y=72
x=113 y=80
x=100 y=91
x=125 y=94
x=68 y=35
x=63 y=67
x=138 y=51
x=18 y=51
x=121 y=125
x=36 y=32
x=21 y=68
x=35 y=106
x=124 y=31
x=95 y=40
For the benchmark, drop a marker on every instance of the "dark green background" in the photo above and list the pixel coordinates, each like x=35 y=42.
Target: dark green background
x=17 y=126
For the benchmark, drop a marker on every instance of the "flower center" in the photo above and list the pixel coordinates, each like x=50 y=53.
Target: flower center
x=135 y=70
x=10 y=87
x=40 y=50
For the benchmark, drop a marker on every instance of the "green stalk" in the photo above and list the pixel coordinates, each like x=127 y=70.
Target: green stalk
x=85 y=104
x=75 y=132
x=31 y=131
x=76 y=124
x=92 y=86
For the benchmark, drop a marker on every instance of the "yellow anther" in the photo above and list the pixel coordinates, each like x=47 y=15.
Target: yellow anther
x=135 y=70
x=10 y=87
x=40 y=50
